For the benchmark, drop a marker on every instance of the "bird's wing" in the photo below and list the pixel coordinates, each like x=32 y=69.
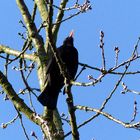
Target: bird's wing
x=49 y=65
x=52 y=61
x=60 y=50
x=48 y=70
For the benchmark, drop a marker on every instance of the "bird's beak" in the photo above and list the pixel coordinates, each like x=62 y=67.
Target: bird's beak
x=71 y=33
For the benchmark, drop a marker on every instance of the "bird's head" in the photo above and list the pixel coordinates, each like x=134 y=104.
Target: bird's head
x=69 y=40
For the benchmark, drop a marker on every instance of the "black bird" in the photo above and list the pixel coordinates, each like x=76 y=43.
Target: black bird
x=55 y=81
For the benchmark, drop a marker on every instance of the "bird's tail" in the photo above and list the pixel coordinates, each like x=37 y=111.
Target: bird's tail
x=48 y=100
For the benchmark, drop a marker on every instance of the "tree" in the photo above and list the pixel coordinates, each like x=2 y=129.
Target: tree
x=34 y=54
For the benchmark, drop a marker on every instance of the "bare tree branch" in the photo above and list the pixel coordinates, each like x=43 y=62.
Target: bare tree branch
x=31 y=27
x=7 y=50
x=51 y=121
x=107 y=115
x=21 y=106
x=60 y=16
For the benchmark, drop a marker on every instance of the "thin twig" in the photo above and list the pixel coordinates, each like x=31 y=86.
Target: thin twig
x=22 y=125
x=107 y=115
x=116 y=55
x=4 y=125
x=25 y=46
x=34 y=12
x=7 y=50
x=83 y=68
x=5 y=58
x=110 y=95
x=119 y=81
x=6 y=66
x=102 y=50
x=34 y=135
x=126 y=89
x=69 y=17
x=135 y=112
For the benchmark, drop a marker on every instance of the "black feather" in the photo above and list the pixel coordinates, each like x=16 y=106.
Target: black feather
x=55 y=80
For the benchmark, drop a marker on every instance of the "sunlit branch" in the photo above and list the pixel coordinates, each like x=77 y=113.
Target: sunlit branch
x=136 y=125
x=7 y=50
x=32 y=30
x=126 y=89
x=110 y=117
x=4 y=125
x=22 y=107
x=69 y=95
x=59 y=18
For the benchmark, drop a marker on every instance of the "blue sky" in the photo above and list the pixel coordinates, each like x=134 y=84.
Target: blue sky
x=119 y=19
